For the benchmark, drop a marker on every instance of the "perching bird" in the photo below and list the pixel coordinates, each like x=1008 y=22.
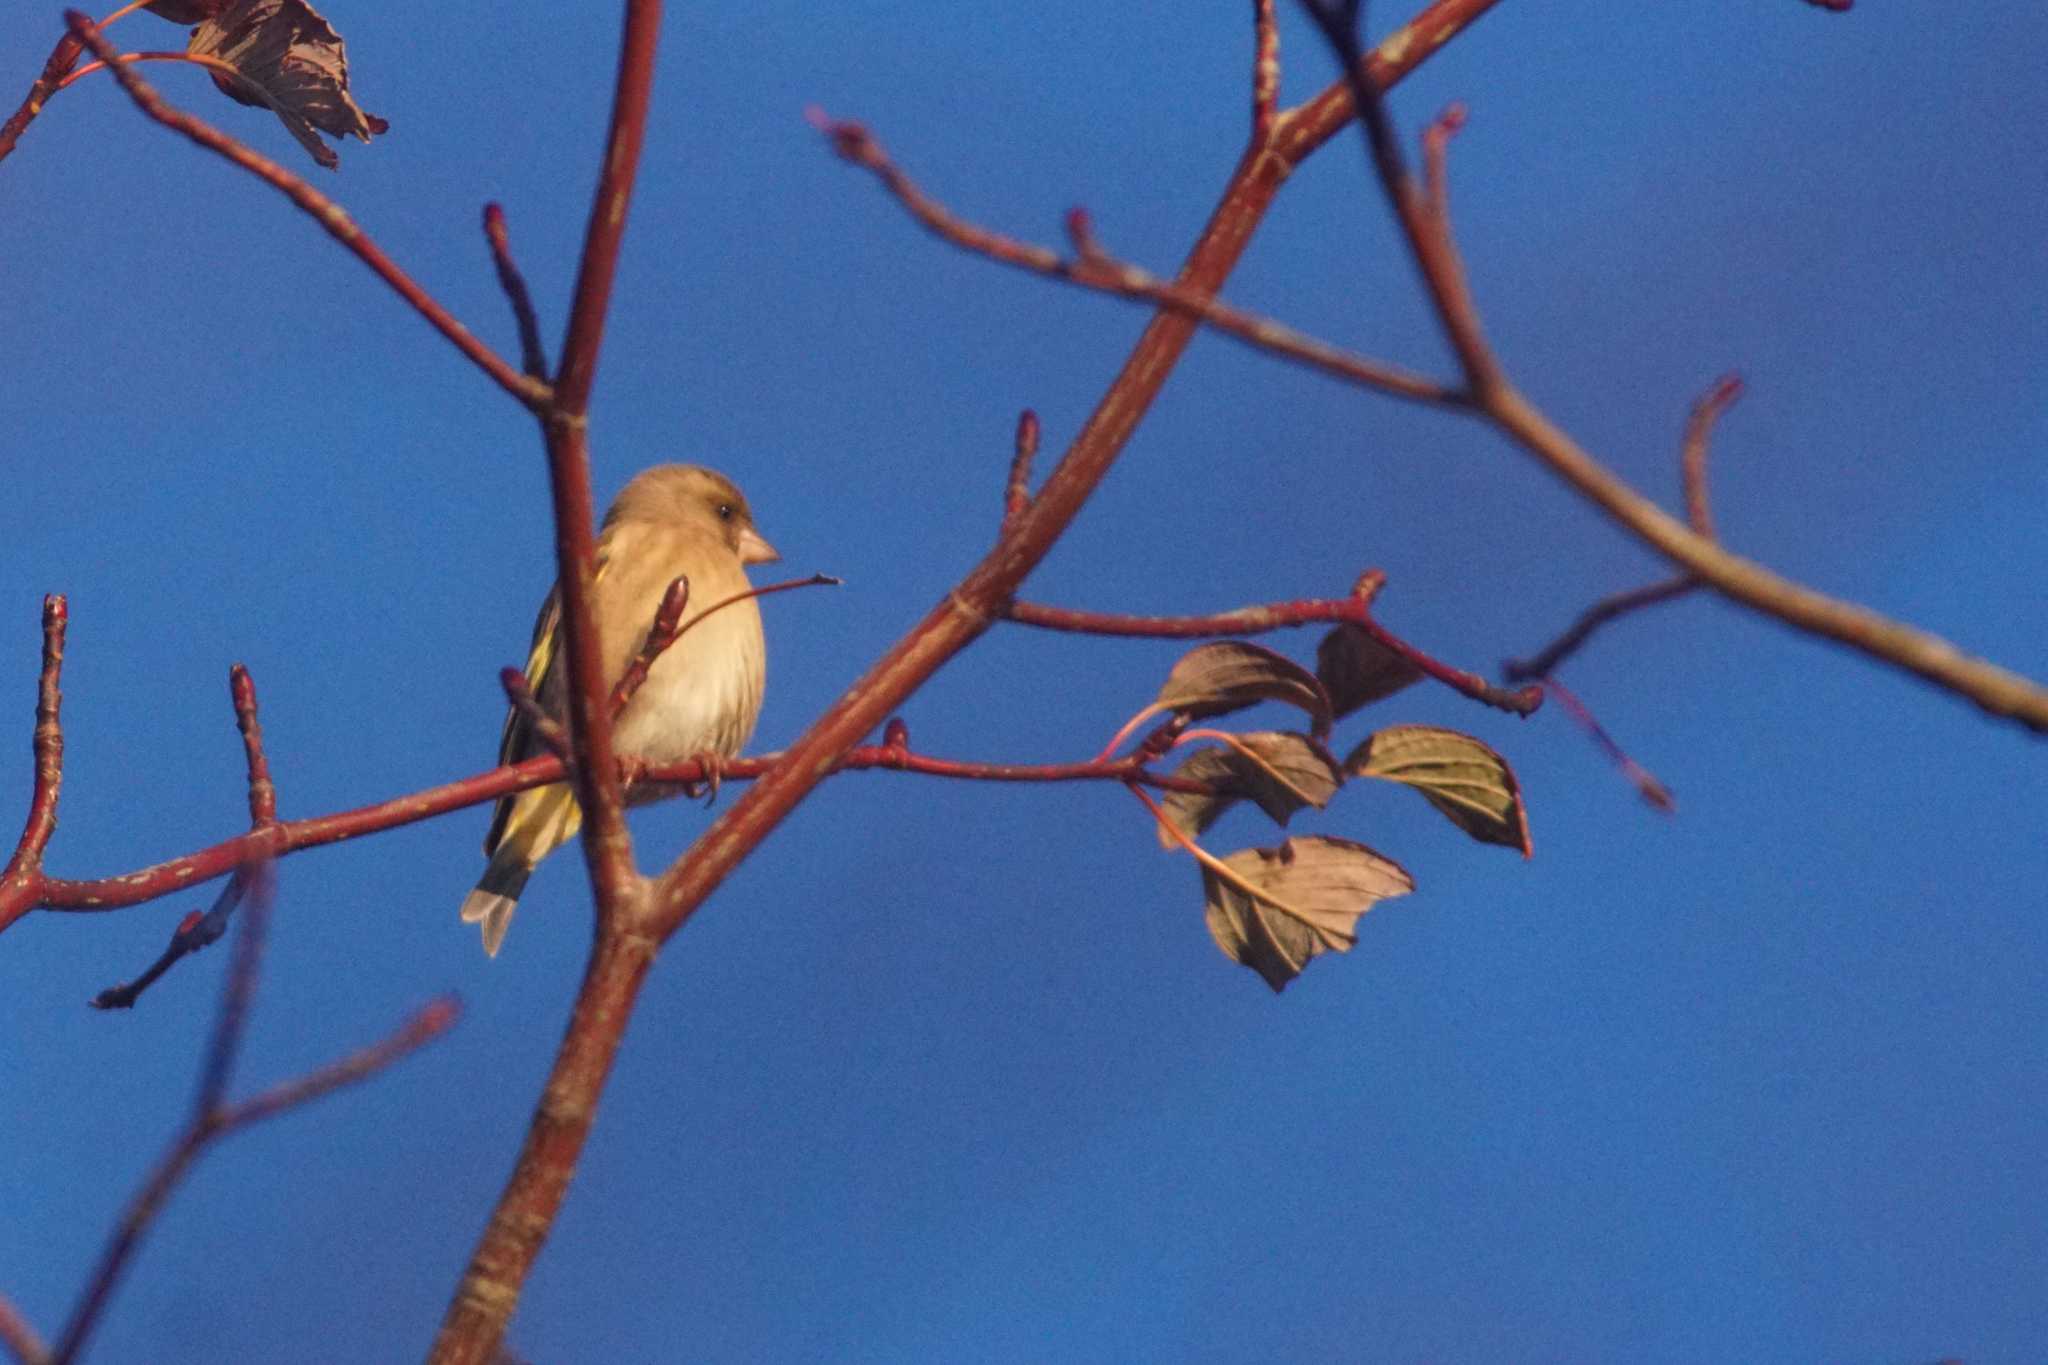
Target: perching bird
x=701 y=696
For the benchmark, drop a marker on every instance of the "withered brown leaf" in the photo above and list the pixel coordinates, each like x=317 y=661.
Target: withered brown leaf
x=1283 y=773
x=1356 y=669
x=1281 y=907
x=292 y=61
x=1229 y=675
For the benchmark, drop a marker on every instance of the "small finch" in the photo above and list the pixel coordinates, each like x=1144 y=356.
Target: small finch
x=700 y=698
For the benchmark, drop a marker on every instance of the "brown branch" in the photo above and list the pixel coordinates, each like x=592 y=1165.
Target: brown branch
x=1426 y=227
x=328 y=214
x=1356 y=611
x=23 y=883
x=210 y=1122
x=20 y=1337
x=1693 y=447
x=1017 y=492
x=1995 y=690
x=533 y=356
x=1093 y=268
x=262 y=791
x=62 y=58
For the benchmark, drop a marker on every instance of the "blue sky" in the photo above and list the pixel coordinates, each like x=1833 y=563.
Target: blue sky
x=953 y=1072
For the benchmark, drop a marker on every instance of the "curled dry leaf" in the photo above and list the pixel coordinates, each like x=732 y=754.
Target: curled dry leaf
x=1229 y=675
x=1356 y=669
x=1279 y=907
x=291 y=60
x=1470 y=783
x=1282 y=773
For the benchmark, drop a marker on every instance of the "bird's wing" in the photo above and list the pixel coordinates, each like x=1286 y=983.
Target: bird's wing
x=518 y=742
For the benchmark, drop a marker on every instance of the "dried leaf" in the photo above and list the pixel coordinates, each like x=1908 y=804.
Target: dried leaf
x=186 y=11
x=1356 y=669
x=1470 y=783
x=1282 y=906
x=1283 y=773
x=1230 y=675
x=291 y=60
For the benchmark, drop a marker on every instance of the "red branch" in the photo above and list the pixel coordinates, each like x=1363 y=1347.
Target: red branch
x=19 y=1337
x=23 y=883
x=1355 y=611
x=1017 y=492
x=1093 y=268
x=62 y=58
x=324 y=211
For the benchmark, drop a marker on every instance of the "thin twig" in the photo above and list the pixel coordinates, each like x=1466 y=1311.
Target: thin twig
x=1692 y=464
x=210 y=1123
x=23 y=883
x=1642 y=779
x=1545 y=662
x=1692 y=457
x=670 y=627
x=1429 y=237
x=1355 y=611
x=328 y=214
x=1017 y=492
x=545 y=727
x=1995 y=690
x=533 y=356
x=189 y=58
x=1093 y=268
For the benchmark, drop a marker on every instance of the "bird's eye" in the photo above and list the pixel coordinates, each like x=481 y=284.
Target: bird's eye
x=725 y=511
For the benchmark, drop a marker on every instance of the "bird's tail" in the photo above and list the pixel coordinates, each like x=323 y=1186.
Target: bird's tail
x=538 y=822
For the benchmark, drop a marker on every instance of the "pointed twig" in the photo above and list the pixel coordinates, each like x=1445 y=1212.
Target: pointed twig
x=22 y=884
x=1265 y=71
x=1017 y=492
x=1699 y=427
x=533 y=356
x=1642 y=779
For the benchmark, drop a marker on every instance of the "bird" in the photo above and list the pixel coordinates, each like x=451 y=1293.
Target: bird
x=702 y=695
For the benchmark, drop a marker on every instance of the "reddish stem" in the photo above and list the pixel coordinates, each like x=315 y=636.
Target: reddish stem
x=328 y=214
x=22 y=885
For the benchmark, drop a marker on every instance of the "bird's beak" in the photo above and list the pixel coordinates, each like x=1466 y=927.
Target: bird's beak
x=754 y=550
